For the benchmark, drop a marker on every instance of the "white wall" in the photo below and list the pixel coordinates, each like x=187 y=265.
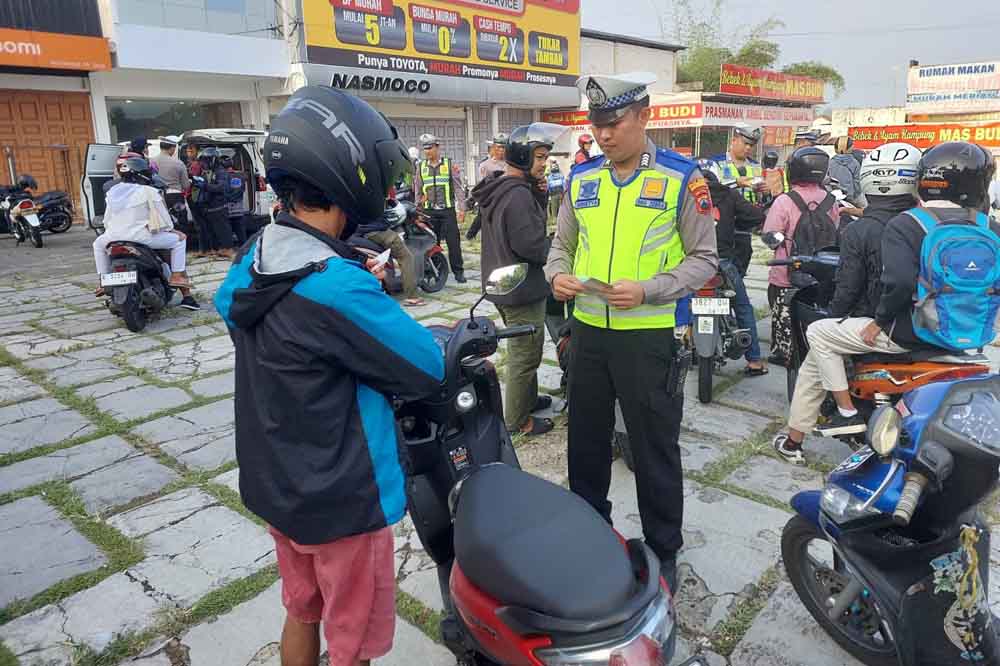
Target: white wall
x=604 y=57
x=866 y=117
x=49 y=83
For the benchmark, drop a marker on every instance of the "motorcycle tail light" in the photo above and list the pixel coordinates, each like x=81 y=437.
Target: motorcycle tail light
x=26 y=205
x=706 y=293
x=123 y=251
x=643 y=652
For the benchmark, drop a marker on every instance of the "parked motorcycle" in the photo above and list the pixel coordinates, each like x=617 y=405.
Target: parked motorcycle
x=892 y=558
x=511 y=595
x=22 y=217
x=55 y=211
x=716 y=331
x=874 y=379
x=137 y=286
x=432 y=264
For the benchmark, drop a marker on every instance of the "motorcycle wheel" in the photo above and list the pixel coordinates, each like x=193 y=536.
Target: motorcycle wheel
x=817 y=574
x=619 y=440
x=18 y=232
x=62 y=224
x=705 y=368
x=36 y=236
x=132 y=312
x=435 y=273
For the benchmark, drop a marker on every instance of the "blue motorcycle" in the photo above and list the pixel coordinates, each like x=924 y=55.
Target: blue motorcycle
x=892 y=557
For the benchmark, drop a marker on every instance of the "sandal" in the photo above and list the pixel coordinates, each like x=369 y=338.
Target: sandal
x=99 y=292
x=542 y=403
x=414 y=302
x=539 y=426
x=750 y=371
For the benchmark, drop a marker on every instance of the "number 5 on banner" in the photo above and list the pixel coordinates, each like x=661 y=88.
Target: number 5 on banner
x=372 y=34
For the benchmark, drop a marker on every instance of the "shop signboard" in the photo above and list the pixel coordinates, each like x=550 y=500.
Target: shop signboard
x=764 y=84
x=475 y=43
x=963 y=88
x=53 y=35
x=703 y=114
x=925 y=136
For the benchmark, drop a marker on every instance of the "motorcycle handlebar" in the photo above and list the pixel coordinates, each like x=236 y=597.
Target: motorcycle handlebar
x=517 y=331
x=909 y=498
x=782 y=262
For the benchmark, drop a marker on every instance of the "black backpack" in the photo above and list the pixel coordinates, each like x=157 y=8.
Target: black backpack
x=815 y=230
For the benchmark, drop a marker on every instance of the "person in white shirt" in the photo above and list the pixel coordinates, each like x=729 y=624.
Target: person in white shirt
x=995 y=195
x=136 y=213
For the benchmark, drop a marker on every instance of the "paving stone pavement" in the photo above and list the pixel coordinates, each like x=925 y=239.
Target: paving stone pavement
x=145 y=482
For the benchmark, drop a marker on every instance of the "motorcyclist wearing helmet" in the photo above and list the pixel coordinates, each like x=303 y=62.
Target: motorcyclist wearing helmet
x=211 y=186
x=889 y=181
x=319 y=346
x=139 y=145
x=737 y=164
x=806 y=169
x=585 y=142
x=381 y=230
x=136 y=213
x=514 y=212
x=734 y=213
x=494 y=163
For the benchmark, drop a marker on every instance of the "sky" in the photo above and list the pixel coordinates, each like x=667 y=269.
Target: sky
x=850 y=35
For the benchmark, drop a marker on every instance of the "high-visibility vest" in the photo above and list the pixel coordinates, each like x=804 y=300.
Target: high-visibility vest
x=627 y=231
x=730 y=172
x=436 y=184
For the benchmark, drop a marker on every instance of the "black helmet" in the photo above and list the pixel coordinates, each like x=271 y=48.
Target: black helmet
x=135 y=169
x=339 y=144
x=523 y=140
x=210 y=155
x=808 y=165
x=27 y=182
x=751 y=136
x=958 y=172
x=771 y=159
x=138 y=145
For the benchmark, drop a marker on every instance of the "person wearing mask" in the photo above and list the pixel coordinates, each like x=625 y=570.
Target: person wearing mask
x=635 y=234
x=806 y=169
x=846 y=169
x=213 y=183
x=135 y=213
x=494 y=163
x=733 y=214
x=513 y=210
x=585 y=142
x=889 y=181
x=236 y=208
x=321 y=351
x=174 y=175
x=439 y=189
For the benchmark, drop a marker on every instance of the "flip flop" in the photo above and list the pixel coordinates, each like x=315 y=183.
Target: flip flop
x=414 y=302
x=539 y=426
x=755 y=372
x=542 y=402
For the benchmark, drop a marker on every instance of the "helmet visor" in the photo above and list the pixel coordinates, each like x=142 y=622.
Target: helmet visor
x=543 y=133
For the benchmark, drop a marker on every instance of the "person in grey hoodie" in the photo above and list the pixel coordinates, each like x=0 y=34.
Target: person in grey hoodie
x=513 y=210
x=846 y=168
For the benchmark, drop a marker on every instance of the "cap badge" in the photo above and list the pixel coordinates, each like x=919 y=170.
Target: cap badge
x=596 y=94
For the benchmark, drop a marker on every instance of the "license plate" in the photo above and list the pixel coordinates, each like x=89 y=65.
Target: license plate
x=119 y=279
x=32 y=220
x=706 y=325
x=710 y=306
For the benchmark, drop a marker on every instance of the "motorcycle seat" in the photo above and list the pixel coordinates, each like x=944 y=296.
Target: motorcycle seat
x=923 y=356
x=531 y=544
x=54 y=195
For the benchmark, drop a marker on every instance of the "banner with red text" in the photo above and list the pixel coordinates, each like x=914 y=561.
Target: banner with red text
x=750 y=82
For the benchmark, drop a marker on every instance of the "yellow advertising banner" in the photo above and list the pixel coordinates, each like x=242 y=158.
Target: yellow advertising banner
x=524 y=41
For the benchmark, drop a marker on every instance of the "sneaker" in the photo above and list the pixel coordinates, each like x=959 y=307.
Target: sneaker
x=460 y=277
x=787 y=449
x=842 y=425
x=188 y=303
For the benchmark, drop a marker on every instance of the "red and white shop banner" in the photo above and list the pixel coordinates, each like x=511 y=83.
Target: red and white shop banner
x=925 y=136
x=702 y=114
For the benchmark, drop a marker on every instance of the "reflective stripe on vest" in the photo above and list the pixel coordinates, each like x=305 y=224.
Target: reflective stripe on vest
x=627 y=232
x=436 y=184
x=730 y=172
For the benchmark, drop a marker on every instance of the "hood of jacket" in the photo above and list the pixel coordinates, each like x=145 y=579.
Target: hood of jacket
x=284 y=252
x=489 y=192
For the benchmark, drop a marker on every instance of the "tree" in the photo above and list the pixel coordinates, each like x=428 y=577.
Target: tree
x=818 y=70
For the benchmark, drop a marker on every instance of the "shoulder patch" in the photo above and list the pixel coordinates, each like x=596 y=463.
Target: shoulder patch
x=698 y=187
x=594 y=162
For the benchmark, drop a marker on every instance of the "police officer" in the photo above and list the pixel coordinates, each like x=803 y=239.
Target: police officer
x=737 y=166
x=440 y=191
x=635 y=233
x=805 y=137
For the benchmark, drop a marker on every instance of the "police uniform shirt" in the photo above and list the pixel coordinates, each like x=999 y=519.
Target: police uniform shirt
x=457 y=185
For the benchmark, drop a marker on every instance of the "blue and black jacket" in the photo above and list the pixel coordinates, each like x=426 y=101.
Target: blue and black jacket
x=320 y=350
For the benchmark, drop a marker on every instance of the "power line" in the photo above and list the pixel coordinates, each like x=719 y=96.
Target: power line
x=883 y=31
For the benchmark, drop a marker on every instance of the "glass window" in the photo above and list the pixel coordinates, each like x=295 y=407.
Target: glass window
x=152 y=118
x=250 y=17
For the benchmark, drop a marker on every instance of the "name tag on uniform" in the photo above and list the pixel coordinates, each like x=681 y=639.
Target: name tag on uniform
x=587 y=195
x=651 y=195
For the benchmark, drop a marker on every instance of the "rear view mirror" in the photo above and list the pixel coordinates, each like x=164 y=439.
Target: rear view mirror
x=505 y=280
x=773 y=239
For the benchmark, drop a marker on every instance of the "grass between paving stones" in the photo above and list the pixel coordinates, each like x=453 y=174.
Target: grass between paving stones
x=731 y=631
x=427 y=620
x=7 y=657
x=119 y=549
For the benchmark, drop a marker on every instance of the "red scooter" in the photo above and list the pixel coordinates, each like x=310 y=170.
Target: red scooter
x=530 y=574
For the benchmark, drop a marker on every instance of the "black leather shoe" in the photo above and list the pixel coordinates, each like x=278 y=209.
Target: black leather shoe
x=460 y=277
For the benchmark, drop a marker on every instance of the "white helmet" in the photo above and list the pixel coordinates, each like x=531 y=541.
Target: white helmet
x=414 y=153
x=395 y=213
x=890 y=170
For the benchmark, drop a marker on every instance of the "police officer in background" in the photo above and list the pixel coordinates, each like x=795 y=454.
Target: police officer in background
x=441 y=193
x=737 y=166
x=635 y=233
x=805 y=137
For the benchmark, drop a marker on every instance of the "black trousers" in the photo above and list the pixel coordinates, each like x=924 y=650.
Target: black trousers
x=445 y=225
x=175 y=200
x=206 y=239
x=218 y=220
x=633 y=366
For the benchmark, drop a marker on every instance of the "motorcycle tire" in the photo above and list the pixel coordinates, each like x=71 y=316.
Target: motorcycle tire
x=795 y=539
x=435 y=273
x=705 y=378
x=62 y=225
x=619 y=440
x=132 y=312
x=36 y=237
x=18 y=232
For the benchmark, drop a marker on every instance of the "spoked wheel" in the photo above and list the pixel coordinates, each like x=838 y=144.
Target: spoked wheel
x=435 y=273
x=18 y=232
x=36 y=236
x=818 y=575
x=705 y=368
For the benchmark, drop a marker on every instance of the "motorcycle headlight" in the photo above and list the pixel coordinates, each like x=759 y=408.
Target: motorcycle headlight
x=883 y=430
x=465 y=401
x=842 y=506
x=647 y=645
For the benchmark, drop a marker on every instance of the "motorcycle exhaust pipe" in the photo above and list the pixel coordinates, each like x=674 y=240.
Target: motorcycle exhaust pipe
x=741 y=342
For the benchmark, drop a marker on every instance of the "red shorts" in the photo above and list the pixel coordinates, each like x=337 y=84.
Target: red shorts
x=349 y=585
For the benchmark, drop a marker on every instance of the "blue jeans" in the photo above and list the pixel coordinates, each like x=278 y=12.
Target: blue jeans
x=744 y=310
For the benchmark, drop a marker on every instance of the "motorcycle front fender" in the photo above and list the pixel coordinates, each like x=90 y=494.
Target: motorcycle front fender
x=32 y=220
x=706 y=343
x=806 y=504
